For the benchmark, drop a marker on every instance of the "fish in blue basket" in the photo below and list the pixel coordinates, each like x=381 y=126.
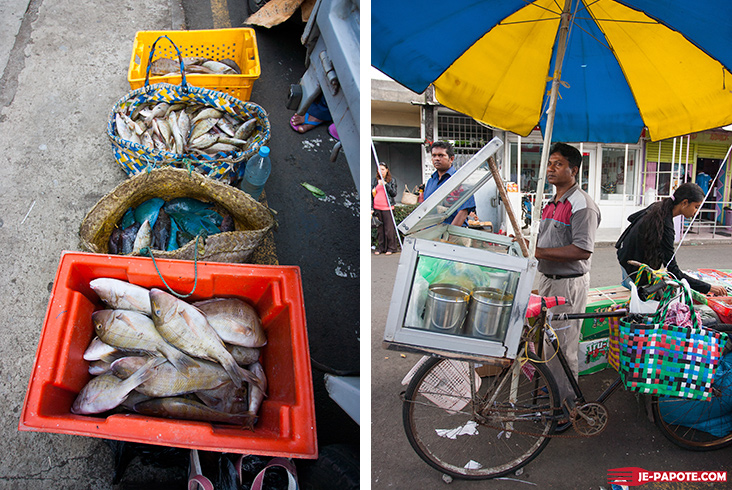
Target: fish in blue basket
x=246 y=130
x=186 y=327
x=184 y=408
x=107 y=391
x=135 y=332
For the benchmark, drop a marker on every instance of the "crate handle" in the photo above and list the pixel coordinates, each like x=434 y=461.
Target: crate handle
x=183 y=83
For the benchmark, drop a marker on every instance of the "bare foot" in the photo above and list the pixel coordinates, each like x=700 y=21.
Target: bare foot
x=303 y=124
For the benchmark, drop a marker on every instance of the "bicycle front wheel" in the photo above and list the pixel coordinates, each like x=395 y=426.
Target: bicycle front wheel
x=484 y=429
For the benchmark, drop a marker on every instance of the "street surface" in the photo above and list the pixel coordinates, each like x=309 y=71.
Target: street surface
x=577 y=463
x=64 y=65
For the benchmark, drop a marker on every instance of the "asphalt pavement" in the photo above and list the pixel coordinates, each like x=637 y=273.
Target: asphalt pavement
x=64 y=65
x=569 y=461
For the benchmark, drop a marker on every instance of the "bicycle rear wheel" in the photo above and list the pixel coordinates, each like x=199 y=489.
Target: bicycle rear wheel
x=496 y=427
x=695 y=425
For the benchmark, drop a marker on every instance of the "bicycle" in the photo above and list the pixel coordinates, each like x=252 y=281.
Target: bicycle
x=488 y=425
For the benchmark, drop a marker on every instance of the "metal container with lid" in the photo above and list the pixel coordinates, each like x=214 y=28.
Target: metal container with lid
x=489 y=313
x=446 y=307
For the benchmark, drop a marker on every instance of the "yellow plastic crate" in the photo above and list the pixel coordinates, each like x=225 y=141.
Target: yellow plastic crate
x=238 y=44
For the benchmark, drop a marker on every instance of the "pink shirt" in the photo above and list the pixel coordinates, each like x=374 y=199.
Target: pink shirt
x=380 y=201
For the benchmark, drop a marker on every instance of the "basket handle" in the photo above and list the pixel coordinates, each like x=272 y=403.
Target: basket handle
x=183 y=83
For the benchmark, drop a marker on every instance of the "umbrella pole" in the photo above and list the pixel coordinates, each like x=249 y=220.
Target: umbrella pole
x=561 y=48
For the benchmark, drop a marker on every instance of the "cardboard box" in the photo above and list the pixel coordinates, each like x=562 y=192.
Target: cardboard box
x=286 y=425
x=599 y=299
x=592 y=355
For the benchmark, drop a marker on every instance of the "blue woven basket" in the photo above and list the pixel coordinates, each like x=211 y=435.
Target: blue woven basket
x=135 y=158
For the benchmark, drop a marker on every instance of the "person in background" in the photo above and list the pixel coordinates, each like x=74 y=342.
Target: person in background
x=442 y=158
x=649 y=239
x=564 y=247
x=383 y=192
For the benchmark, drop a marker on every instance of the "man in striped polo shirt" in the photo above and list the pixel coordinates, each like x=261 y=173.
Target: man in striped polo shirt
x=564 y=249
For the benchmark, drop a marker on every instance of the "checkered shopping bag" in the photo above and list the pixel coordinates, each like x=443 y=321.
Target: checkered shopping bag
x=668 y=360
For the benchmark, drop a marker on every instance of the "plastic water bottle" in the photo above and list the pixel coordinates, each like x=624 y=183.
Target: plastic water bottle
x=256 y=173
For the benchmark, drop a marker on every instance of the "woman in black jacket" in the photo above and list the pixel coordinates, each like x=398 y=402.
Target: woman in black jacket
x=383 y=192
x=649 y=238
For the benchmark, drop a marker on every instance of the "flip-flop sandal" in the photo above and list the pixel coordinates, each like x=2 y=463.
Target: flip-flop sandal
x=196 y=480
x=333 y=131
x=306 y=122
x=285 y=463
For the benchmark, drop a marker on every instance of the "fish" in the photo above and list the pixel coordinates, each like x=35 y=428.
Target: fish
x=143 y=239
x=193 y=60
x=115 y=241
x=159 y=110
x=98 y=350
x=165 y=131
x=199 y=69
x=184 y=124
x=257 y=393
x=140 y=107
x=218 y=67
x=107 y=391
x=186 y=327
x=183 y=408
x=176 y=107
x=231 y=64
x=173 y=240
x=204 y=141
x=163 y=66
x=122 y=295
x=128 y=219
x=225 y=398
x=243 y=355
x=124 y=131
x=168 y=381
x=186 y=205
x=201 y=127
x=227 y=223
x=99 y=367
x=161 y=231
x=177 y=136
x=245 y=130
x=219 y=147
x=133 y=331
x=207 y=113
x=231 y=141
x=149 y=210
x=224 y=125
x=147 y=140
x=234 y=320
x=128 y=239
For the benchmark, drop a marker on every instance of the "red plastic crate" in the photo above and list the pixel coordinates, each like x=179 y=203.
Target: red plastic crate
x=286 y=425
x=722 y=306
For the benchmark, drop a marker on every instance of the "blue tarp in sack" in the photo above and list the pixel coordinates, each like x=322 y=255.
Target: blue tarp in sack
x=715 y=416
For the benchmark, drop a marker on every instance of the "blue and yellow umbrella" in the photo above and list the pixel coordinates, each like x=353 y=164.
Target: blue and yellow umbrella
x=616 y=67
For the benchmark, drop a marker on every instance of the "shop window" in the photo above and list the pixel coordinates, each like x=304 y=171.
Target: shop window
x=464 y=133
x=529 y=168
x=616 y=180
